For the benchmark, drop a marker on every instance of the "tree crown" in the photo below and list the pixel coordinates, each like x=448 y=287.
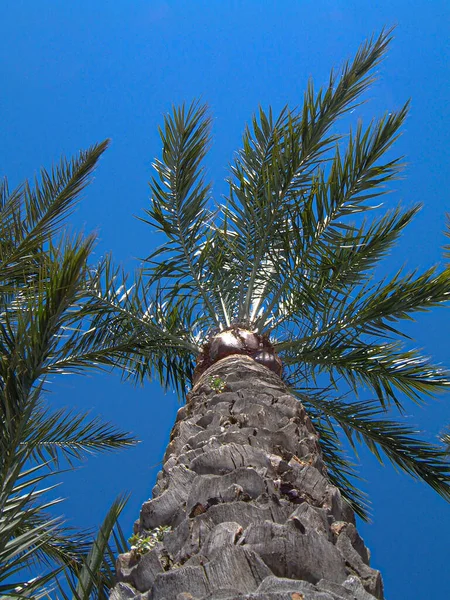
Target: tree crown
x=291 y=254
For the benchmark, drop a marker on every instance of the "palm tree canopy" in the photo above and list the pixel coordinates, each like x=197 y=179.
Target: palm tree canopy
x=291 y=256
x=44 y=314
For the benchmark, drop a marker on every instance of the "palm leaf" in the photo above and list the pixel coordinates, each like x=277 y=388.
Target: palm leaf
x=385 y=368
x=179 y=202
x=72 y=436
x=361 y=422
x=29 y=217
x=43 y=288
x=278 y=165
x=315 y=223
x=97 y=573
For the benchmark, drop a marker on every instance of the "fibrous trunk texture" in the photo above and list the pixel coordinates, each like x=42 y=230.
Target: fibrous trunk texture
x=251 y=511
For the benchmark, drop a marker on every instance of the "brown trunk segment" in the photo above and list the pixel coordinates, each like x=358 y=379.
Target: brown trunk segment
x=252 y=514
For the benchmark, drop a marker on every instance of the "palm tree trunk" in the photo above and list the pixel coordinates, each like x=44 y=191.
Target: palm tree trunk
x=251 y=512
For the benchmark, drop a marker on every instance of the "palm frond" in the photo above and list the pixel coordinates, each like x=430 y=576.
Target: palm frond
x=313 y=225
x=97 y=574
x=30 y=216
x=179 y=203
x=137 y=328
x=30 y=537
x=68 y=435
x=25 y=525
x=278 y=165
x=386 y=368
x=43 y=290
x=362 y=422
x=341 y=268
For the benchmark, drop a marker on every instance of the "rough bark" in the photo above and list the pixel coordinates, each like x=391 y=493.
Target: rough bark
x=245 y=492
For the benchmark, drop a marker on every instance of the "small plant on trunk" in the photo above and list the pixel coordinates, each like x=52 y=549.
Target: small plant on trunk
x=141 y=544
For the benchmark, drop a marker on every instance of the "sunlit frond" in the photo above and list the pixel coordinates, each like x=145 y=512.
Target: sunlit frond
x=72 y=436
x=179 y=198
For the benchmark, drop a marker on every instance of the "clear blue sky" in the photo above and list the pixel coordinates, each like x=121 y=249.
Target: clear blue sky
x=73 y=73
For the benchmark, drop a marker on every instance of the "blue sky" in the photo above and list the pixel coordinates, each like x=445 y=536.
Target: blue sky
x=74 y=73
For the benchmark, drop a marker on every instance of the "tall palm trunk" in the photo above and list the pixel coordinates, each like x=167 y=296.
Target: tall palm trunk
x=245 y=492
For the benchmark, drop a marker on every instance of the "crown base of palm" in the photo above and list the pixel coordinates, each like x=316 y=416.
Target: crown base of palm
x=238 y=340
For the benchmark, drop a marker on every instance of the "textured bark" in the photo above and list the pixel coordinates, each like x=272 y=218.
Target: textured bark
x=252 y=513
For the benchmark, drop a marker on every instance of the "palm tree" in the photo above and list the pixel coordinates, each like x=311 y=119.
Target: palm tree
x=44 y=314
x=270 y=308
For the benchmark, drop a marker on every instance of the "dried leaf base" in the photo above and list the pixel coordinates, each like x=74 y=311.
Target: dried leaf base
x=251 y=511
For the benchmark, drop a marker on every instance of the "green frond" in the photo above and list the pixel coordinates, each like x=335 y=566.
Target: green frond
x=372 y=309
x=361 y=422
x=276 y=168
x=30 y=538
x=31 y=325
x=138 y=328
x=399 y=297
x=341 y=268
x=31 y=216
x=71 y=436
x=97 y=573
x=351 y=261
x=179 y=203
x=44 y=309
x=385 y=368
x=25 y=526
x=315 y=222
x=64 y=550
x=164 y=318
